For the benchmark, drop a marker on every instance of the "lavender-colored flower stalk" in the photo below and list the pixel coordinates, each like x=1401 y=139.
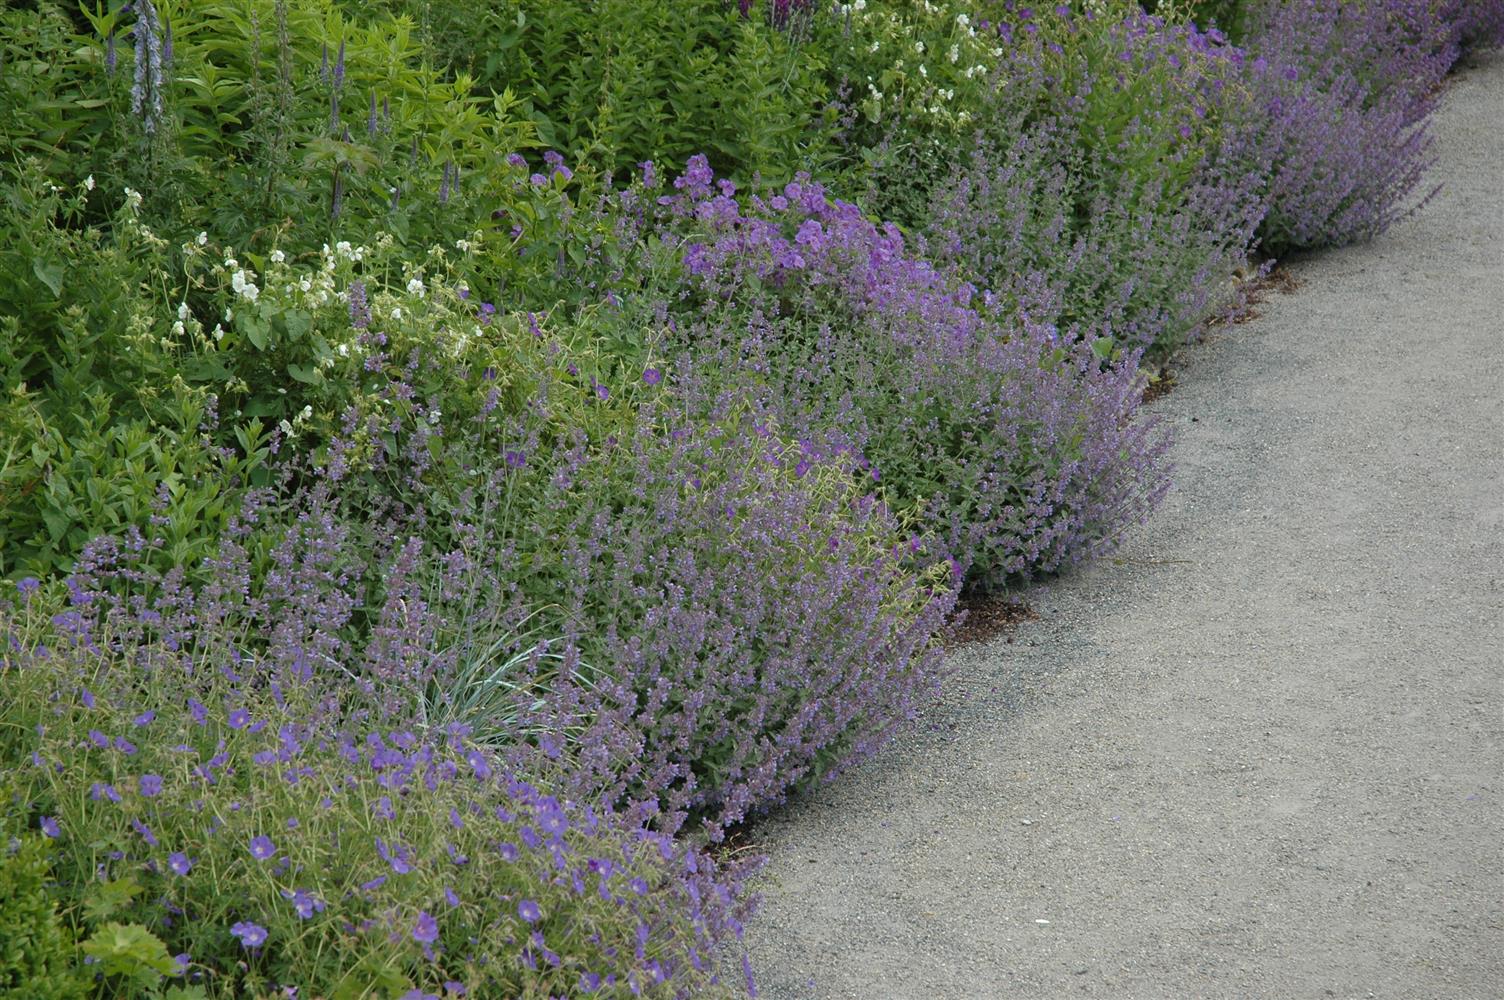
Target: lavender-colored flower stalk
x=360 y=310
x=146 y=91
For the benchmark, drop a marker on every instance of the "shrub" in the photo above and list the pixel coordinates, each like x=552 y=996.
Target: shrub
x=1013 y=444
x=37 y=956
x=1341 y=95
x=1103 y=197
x=1476 y=23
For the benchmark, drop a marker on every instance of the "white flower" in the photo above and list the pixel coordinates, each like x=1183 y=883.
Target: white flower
x=219 y=332
x=954 y=55
x=415 y=287
x=344 y=350
x=132 y=198
x=463 y=246
x=396 y=312
x=305 y=284
x=859 y=5
x=307 y=412
x=201 y=239
x=89 y=183
x=183 y=310
x=963 y=20
x=922 y=71
x=342 y=248
x=285 y=427
x=177 y=328
x=278 y=256
x=919 y=47
x=229 y=315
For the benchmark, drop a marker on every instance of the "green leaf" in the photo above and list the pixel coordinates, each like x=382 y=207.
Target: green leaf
x=305 y=373
x=256 y=331
x=130 y=950
x=50 y=273
x=109 y=898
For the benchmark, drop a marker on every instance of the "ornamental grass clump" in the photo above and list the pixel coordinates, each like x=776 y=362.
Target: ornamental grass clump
x=1014 y=444
x=230 y=819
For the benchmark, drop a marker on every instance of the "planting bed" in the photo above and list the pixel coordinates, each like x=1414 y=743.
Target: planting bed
x=458 y=461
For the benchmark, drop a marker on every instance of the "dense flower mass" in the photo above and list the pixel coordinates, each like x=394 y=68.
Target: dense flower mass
x=1013 y=443
x=420 y=549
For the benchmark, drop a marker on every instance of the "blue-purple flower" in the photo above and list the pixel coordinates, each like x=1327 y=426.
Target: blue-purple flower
x=426 y=929
x=304 y=903
x=251 y=935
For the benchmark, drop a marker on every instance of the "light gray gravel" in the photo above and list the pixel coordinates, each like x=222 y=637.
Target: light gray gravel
x=1260 y=753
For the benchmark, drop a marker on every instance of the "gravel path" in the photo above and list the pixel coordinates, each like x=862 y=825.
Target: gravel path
x=1260 y=753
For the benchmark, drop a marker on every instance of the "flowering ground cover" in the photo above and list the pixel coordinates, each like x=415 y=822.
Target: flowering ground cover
x=461 y=460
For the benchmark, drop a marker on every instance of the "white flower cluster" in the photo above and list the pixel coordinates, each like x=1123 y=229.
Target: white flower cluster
x=243 y=286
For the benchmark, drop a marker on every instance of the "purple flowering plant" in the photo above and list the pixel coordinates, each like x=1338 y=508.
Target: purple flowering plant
x=1011 y=444
x=1339 y=94
x=337 y=897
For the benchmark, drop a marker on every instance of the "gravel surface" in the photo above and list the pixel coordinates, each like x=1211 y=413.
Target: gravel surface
x=1261 y=752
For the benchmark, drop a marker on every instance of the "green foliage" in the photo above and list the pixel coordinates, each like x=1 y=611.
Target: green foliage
x=129 y=955
x=37 y=957
x=618 y=82
x=102 y=420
